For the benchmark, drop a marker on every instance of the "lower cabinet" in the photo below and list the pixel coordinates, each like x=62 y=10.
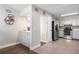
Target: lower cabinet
x=24 y=38
x=61 y=33
x=75 y=34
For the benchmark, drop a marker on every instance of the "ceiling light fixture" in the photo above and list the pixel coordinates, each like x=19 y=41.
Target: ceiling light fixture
x=69 y=14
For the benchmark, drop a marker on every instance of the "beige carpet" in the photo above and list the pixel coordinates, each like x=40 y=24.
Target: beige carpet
x=61 y=46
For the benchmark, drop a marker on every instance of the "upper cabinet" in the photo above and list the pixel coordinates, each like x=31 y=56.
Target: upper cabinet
x=77 y=22
x=74 y=20
x=61 y=23
x=66 y=22
x=69 y=20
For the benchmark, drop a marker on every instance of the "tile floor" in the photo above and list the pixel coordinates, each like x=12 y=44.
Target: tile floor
x=61 y=46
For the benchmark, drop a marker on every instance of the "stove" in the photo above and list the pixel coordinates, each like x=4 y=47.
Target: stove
x=67 y=31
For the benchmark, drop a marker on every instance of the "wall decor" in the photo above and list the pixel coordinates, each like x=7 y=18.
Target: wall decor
x=9 y=19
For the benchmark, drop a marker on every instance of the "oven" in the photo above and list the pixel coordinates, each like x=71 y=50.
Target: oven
x=68 y=31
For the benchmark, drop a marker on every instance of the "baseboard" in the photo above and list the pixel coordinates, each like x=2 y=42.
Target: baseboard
x=34 y=47
x=75 y=39
x=45 y=41
x=8 y=45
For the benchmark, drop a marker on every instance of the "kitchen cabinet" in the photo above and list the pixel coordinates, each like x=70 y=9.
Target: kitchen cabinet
x=77 y=22
x=61 y=33
x=65 y=21
x=61 y=22
x=75 y=34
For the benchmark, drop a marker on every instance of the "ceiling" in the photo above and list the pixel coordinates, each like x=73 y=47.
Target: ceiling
x=58 y=9
x=16 y=7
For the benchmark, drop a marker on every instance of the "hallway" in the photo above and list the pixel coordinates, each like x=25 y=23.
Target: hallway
x=61 y=46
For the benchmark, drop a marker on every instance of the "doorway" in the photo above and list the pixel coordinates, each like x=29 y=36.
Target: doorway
x=43 y=29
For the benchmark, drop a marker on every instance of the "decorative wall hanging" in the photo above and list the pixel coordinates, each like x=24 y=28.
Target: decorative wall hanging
x=9 y=19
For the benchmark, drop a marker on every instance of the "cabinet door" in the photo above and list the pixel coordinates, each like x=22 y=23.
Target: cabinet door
x=61 y=33
x=77 y=22
x=76 y=34
x=73 y=22
x=61 y=23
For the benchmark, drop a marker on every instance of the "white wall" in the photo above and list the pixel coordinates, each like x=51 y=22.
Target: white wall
x=41 y=28
x=35 y=30
x=9 y=33
x=25 y=36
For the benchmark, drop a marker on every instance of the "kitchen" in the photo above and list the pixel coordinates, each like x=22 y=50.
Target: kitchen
x=72 y=20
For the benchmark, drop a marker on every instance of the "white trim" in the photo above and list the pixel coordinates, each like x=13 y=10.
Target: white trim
x=43 y=41
x=46 y=41
x=34 y=47
x=49 y=40
x=4 y=46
